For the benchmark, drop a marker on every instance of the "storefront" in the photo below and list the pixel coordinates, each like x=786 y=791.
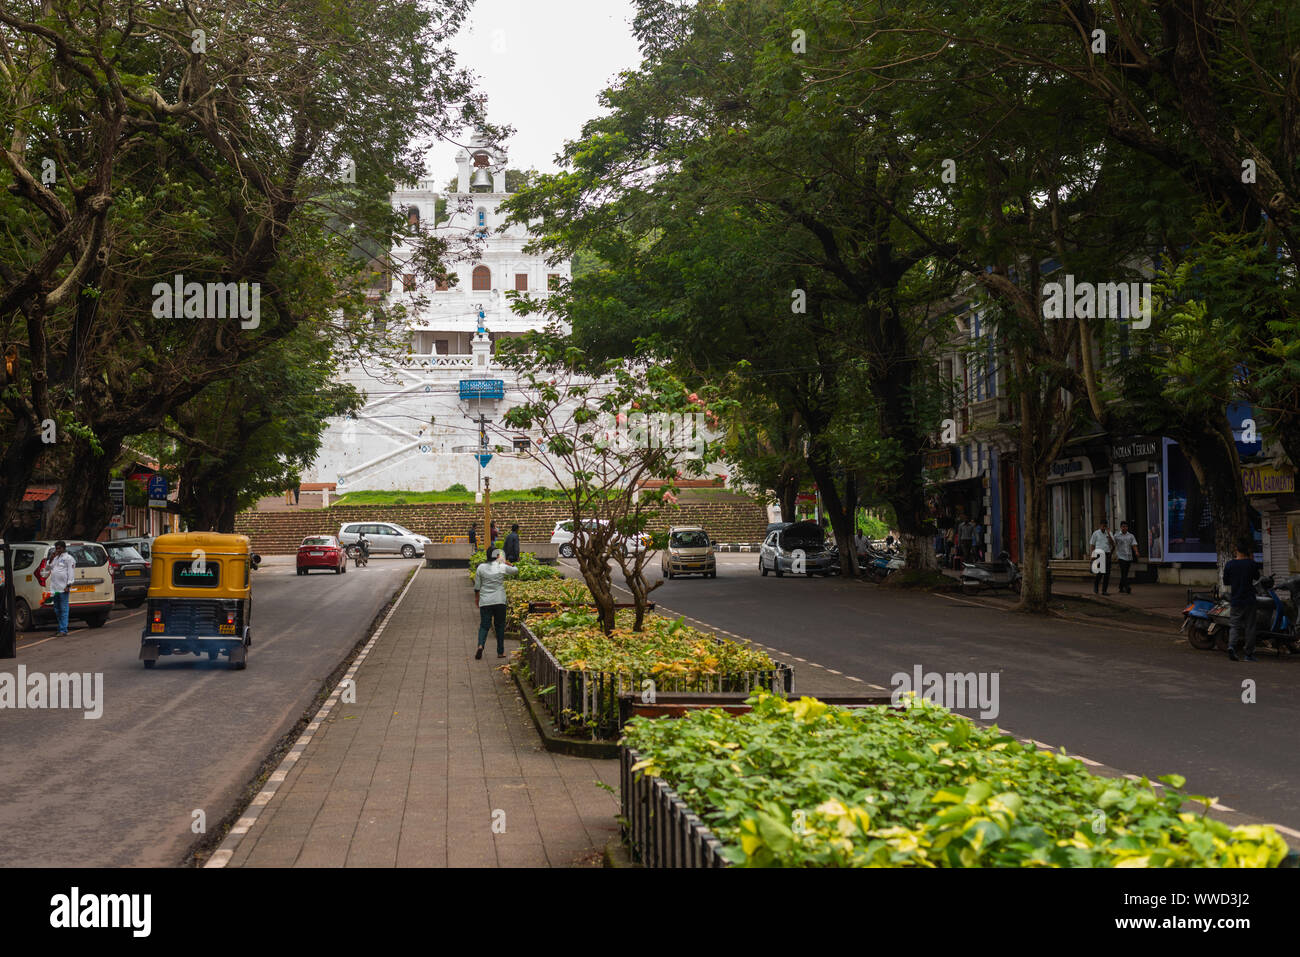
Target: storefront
x=1189 y=526
x=1271 y=491
x=1077 y=500
x=1138 y=493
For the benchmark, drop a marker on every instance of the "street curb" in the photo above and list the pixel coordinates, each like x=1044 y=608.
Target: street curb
x=226 y=850
x=599 y=750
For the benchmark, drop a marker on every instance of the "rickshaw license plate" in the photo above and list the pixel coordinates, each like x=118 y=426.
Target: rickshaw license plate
x=227 y=629
x=158 y=627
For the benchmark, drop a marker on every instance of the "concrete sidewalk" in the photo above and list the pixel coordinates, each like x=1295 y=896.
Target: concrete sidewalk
x=436 y=764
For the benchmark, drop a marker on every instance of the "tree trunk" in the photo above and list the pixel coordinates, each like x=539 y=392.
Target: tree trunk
x=17 y=463
x=1034 y=589
x=915 y=524
x=786 y=491
x=840 y=524
x=84 y=510
x=1213 y=458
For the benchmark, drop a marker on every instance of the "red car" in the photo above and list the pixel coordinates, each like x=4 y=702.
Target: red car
x=322 y=551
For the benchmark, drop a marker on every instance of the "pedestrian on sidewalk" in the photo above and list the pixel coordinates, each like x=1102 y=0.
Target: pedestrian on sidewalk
x=492 y=540
x=966 y=538
x=1240 y=576
x=512 y=544
x=1126 y=552
x=490 y=596
x=62 y=570
x=1100 y=546
x=473 y=536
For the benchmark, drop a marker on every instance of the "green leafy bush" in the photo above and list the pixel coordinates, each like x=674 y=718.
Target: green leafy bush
x=530 y=569
x=665 y=647
x=562 y=590
x=803 y=784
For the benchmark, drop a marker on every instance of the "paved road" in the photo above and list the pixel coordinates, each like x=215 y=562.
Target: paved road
x=1144 y=702
x=120 y=790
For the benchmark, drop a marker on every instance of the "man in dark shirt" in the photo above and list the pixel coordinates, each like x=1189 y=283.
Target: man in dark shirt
x=473 y=536
x=512 y=545
x=1240 y=576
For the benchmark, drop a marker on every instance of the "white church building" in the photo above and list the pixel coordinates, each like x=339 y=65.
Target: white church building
x=419 y=429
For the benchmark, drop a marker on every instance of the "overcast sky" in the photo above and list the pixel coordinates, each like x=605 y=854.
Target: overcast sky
x=541 y=64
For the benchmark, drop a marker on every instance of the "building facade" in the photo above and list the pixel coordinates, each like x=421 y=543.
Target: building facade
x=428 y=411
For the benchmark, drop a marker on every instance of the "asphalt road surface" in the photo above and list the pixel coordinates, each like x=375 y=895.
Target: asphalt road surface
x=121 y=790
x=1139 y=701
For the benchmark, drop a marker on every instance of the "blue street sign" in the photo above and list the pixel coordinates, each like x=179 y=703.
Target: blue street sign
x=483 y=460
x=157 y=487
x=482 y=388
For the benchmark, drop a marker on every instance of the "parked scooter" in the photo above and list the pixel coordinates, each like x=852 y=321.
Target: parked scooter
x=1004 y=573
x=1275 y=622
x=880 y=564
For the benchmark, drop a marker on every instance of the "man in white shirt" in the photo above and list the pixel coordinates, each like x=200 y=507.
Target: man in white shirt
x=861 y=543
x=1126 y=552
x=1100 y=547
x=490 y=596
x=63 y=568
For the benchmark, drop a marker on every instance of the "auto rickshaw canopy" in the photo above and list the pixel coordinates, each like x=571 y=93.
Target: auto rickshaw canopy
x=201 y=565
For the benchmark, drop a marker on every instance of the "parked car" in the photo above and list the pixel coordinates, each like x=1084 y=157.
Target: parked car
x=689 y=552
x=385 y=538
x=322 y=551
x=91 y=597
x=142 y=545
x=784 y=548
x=775 y=527
x=130 y=573
x=563 y=537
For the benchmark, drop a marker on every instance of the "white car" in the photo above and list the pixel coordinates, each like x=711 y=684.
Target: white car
x=563 y=536
x=92 y=593
x=385 y=537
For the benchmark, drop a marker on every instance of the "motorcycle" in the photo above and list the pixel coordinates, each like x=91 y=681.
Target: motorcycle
x=360 y=552
x=1207 y=620
x=879 y=564
x=976 y=576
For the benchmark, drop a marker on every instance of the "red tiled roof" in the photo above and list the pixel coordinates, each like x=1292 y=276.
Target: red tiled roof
x=38 y=493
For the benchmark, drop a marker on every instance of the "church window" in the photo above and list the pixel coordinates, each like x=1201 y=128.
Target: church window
x=482 y=217
x=482 y=278
x=521 y=281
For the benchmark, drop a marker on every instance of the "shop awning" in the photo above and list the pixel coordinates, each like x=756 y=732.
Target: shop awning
x=38 y=493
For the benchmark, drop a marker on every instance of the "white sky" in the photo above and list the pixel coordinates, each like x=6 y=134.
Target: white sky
x=541 y=64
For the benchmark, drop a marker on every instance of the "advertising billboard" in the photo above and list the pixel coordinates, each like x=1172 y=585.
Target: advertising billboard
x=1189 y=527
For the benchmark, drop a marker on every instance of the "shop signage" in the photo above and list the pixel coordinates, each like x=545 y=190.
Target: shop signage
x=942 y=459
x=1132 y=450
x=1067 y=470
x=805 y=498
x=482 y=388
x=117 y=496
x=1266 y=480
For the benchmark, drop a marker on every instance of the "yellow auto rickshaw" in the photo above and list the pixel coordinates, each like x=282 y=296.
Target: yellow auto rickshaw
x=200 y=597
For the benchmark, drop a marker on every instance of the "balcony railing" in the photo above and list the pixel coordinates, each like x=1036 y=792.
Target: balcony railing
x=990 y=413
x=435 y=361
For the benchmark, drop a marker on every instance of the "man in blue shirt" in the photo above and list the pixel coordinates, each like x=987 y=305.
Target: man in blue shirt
x=1240 y=576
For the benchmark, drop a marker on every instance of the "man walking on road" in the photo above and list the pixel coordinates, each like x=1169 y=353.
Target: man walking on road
x=1100 y=547
x=62 y=570
x=1240 y=575
x=490 y=596
x=512 y=544
x=1126 y=552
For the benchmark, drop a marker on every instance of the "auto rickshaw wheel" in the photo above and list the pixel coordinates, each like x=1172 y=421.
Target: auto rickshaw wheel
x=150 y=662
x=213 y=655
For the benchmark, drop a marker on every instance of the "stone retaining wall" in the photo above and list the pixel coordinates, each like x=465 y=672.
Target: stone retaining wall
x=279 y=532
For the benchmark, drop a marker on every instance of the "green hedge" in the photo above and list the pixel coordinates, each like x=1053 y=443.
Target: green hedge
x=803 y=784
x=530 y=569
